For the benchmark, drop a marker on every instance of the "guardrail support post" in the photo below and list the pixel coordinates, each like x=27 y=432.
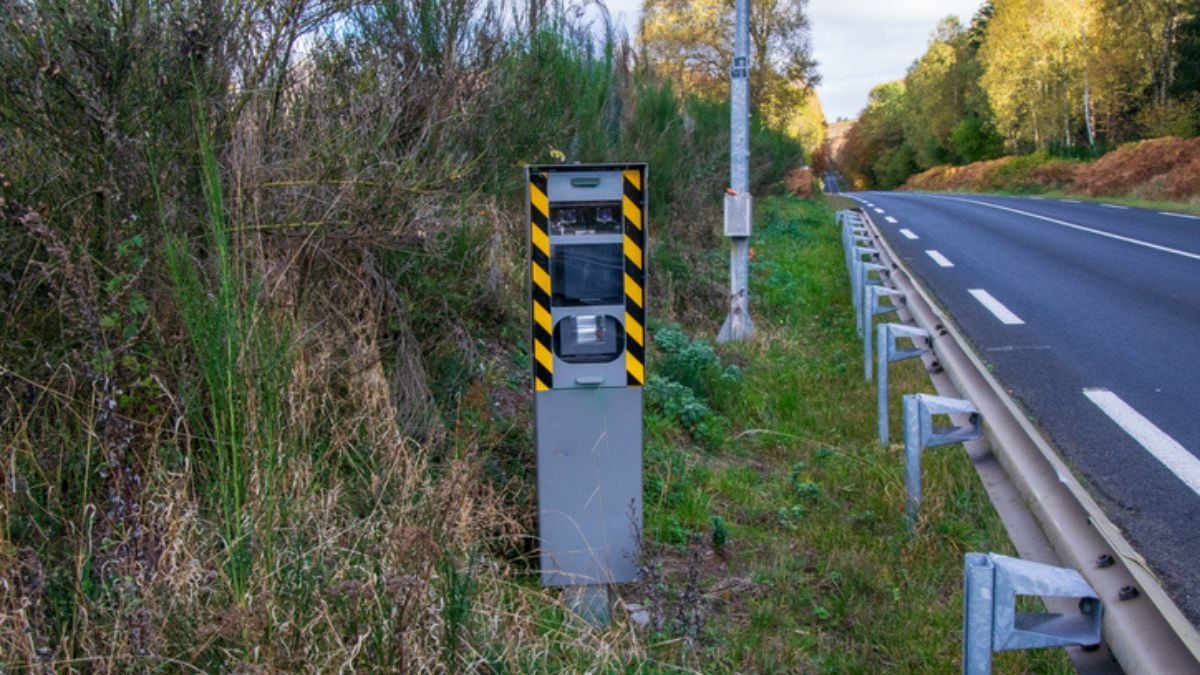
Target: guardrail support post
x=919 y=433
x=854 y=239
x=853 y=235
x=889 y=352
x=991 y=623
x=864 y=270
x=871 y=309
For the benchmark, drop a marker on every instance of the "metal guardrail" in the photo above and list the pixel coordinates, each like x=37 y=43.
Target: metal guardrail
x=1143 y=627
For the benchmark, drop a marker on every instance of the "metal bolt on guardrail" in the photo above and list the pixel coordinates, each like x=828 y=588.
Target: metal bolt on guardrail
x=920 y=433
x=872 y=307
x=863 y=279
x=889 y=352
x=991 y=622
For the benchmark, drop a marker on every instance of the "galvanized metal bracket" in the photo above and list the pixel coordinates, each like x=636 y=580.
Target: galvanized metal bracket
x=863 y=278
x=872 y=307
x=991 y=622
x=920 y=433
x=889 y=352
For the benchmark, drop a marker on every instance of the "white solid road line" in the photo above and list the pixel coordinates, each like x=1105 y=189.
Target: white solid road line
x=994 y=306
x=939 y=258
x=1115 y=206
x=890 y=219
x=1178 y=215
x=1081 y=228
x=1164 y=448
x=909 y=234
x=1070 y=201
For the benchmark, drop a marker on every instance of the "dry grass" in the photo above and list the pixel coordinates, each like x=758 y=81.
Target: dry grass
x=1160 y=169
x=800 y=182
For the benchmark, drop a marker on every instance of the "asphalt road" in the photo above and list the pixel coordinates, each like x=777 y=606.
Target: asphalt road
x=1090 y=314
x=832 y=184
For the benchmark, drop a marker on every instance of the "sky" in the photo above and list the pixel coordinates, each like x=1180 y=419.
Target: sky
x=858 y=43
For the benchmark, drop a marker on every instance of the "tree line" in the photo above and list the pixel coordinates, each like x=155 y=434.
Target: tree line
x=1069 y=78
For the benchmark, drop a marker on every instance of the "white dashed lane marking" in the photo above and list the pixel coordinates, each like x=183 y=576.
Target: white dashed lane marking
x=997 y=308
x=1115 y=206
x=1164 y=448
x=938 y=258
x=908 y=234
x=890 y=219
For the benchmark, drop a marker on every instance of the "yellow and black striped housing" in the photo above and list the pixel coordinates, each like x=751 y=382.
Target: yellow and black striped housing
x=633 y=210
x=539 y=255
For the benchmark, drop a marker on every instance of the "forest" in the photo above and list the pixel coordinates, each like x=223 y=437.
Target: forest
x=1058 y=79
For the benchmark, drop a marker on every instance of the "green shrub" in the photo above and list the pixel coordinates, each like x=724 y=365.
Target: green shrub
x=679 y=403
x=692 y=363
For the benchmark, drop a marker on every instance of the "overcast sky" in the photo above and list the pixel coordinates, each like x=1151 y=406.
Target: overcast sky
x=859 y=43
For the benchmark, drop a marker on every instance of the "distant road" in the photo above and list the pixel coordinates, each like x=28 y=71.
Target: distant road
x=831 y=183
x=1090 y=314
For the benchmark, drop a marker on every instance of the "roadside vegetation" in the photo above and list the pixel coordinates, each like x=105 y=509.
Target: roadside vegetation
x=1039 y=88
x=1161 y=173
x=264 y=381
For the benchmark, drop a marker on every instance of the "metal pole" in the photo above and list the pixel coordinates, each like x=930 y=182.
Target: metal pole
x=882 y=391
x=912 y=458
x=738 y=325
x=978 y=603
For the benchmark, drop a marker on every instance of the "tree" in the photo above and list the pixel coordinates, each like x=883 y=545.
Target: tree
x=691 y=41
x=1034 y=70
x=1187 y=62
x=934 y=100
x=879 y=130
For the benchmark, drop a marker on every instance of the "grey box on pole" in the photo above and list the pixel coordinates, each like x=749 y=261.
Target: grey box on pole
x=587 y=243
x=737 y=215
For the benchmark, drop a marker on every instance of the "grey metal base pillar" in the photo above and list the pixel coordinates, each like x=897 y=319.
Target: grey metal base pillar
x=589 y=484
x=590 y=602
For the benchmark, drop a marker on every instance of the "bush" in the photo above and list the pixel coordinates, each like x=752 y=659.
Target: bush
x=693 y=363
x=679 y=403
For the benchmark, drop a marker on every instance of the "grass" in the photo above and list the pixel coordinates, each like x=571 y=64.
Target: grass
x=815 y=570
